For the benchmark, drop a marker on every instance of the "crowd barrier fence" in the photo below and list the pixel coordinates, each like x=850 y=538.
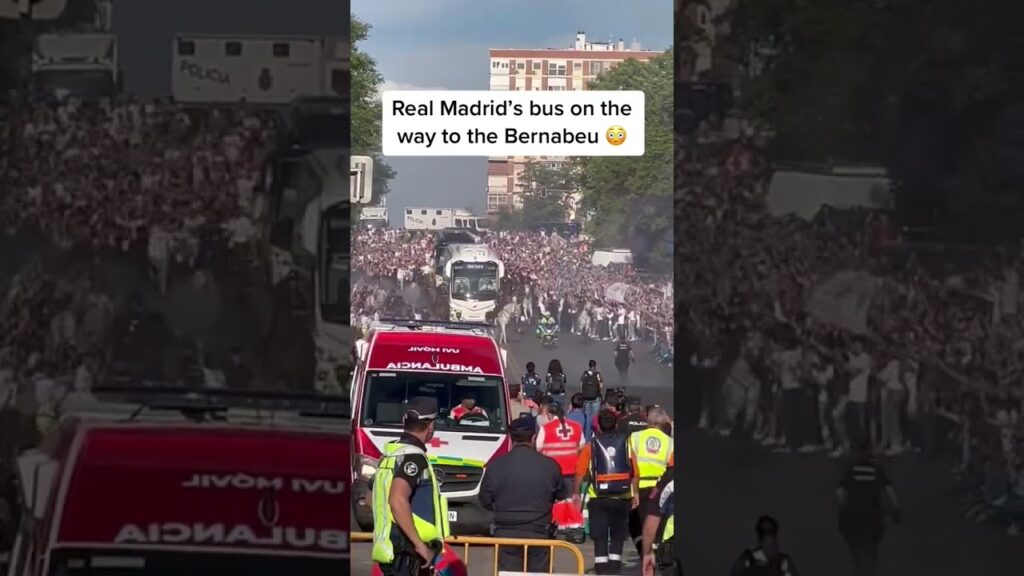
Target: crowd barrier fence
x=467 y=542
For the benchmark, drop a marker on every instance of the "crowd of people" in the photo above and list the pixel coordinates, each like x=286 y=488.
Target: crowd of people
x=135 y=185
x=553 y=274
x=136 y=177
x=932 y=363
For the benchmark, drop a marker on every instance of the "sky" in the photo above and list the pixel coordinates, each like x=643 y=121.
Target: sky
x=443 y=44
x=145 y=28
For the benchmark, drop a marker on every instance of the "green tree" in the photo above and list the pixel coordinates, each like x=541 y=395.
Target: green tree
x=921 y=86
x=630 y=198
x=547 y=189
x=16 y=39
x=366 y=111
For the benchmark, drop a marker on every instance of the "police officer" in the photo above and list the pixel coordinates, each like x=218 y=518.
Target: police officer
x=607 y=465
x=520 y=488
x=767 y=559
x=623 y=359
x=659 y=529
x=635 y=419
x=652 y=451
x=410 y=516
x=591 y=386
x=865 y=495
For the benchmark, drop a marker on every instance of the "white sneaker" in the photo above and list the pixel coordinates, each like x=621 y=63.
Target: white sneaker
x=838 y=452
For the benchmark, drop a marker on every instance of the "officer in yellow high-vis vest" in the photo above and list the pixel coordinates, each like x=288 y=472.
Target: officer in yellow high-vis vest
x=410 y=516
x=653 y=451
x=658 y=544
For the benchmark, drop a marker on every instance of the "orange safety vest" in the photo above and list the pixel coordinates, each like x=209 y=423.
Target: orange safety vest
x=561 y=443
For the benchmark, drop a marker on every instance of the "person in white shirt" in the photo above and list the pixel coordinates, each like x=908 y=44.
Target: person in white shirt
x=858 y=368
x=159 y=251
x=790 y=364
x=893 y=394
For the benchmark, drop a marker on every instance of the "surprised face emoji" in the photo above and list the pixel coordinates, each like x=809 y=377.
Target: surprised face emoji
x=616 y=135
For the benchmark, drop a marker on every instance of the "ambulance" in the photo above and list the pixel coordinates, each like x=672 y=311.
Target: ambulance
x=456 y=363
x=188 y=484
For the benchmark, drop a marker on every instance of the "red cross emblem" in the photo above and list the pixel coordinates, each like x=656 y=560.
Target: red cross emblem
x=564 y=432
x=436 y=442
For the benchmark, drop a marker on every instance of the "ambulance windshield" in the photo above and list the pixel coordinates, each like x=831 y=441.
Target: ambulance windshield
x=465 y=402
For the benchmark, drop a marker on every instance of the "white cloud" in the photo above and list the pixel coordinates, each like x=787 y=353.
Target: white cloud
x=392 y=85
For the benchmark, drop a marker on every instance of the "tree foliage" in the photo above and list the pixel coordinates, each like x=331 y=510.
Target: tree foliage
x=16 y=39
x=547 y=189
x=366 y=111
x=630 y=198
x=918 y=85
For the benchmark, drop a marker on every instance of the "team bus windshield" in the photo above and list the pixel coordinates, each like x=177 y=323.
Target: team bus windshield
x=336 y=241
x=387 y=393
x=475 y=280
x=134 y=563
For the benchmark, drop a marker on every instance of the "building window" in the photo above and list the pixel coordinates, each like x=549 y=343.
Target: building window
x=186 y=48
x=282 y=49
x=536 y=66
x=577 y=66
x=233 y=49
x=520 y=65
x=423 y=212
x=598 y=67
x=556 y=69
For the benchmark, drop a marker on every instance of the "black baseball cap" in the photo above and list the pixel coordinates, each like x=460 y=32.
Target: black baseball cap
x=421 y=408
x=524 y=423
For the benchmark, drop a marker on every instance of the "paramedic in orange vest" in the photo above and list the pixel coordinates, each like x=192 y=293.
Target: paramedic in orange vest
x=608 y=466
x=468 y=406
x=561 y=440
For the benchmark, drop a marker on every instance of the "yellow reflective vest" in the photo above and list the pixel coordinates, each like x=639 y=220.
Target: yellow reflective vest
x=652 y=449
x=429 y=507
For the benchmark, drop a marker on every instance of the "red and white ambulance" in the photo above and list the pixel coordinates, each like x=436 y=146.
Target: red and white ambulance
x=459 y=364
x=187 y=488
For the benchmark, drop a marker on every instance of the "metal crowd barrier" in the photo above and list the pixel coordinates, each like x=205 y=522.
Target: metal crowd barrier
x=478 y=541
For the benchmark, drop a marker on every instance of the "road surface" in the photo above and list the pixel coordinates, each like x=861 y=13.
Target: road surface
x=726 y=484
x=649 y=380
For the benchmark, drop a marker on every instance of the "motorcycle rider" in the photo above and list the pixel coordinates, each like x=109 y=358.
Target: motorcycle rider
x=547 y=325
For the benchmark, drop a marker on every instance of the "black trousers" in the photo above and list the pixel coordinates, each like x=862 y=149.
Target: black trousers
x=609 y=527
x=404 y=565
x=623 y=374
x=636 y=520
x=510 y=558
x=863 y=545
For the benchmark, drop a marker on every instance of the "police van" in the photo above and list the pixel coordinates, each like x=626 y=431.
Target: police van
x=187 y=483
x=459 y=364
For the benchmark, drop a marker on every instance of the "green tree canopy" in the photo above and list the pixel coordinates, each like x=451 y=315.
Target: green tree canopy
x=547 y=189
x=366 y=111
x=630 y=198
x=920 y=86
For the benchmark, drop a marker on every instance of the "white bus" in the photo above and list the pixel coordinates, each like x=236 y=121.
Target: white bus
x=470 y=281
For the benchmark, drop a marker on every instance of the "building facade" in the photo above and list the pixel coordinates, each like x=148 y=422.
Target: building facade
x=546 y=69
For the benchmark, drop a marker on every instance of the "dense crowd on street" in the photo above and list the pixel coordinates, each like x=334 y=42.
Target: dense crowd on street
x=935 y=365
x=135 y=176
x=147 y=183
x=548 y=272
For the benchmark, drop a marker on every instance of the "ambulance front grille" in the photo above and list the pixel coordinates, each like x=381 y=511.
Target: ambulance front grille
x=460 y=478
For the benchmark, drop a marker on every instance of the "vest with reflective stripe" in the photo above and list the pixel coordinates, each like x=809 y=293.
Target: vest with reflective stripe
x=562 y=443
x=652 y=449
x=429 y=507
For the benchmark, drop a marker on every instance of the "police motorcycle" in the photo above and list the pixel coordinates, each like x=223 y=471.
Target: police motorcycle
x=547 y=332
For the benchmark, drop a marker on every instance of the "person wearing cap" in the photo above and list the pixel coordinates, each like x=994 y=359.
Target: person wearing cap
x=521 y=488
x=635 y=419
x=652 y=451
x=410 y=516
